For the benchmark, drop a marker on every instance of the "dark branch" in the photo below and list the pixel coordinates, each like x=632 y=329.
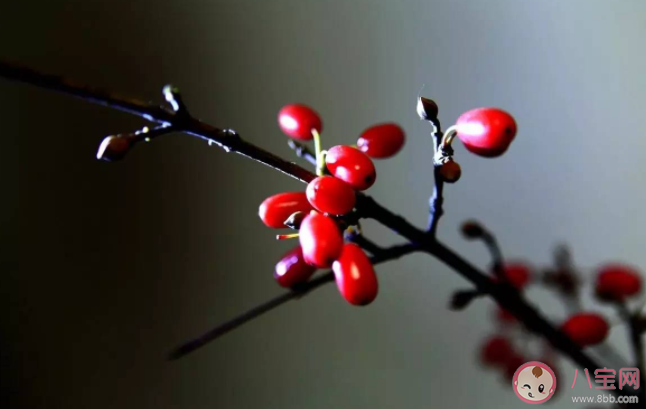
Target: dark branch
x=635 y=334
x=384 y=255
x=302 y=151
x=436 y=209
x=366 y=244
x=230 y=141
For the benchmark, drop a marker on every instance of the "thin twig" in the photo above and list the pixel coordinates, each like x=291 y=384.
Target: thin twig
x=298 y=292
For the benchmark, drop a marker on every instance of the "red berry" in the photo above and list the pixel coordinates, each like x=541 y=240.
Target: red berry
x=586 y=328
x=292 y=269
x=276 y=209
x=503 y=316
x=382 y=140
x=297 y=121
x=355 y=277
x=330 y=195
x=495 y=351
x=486 y=132
x=615 y=282
x=320 y=240
x=351 y=166
x=517 y=274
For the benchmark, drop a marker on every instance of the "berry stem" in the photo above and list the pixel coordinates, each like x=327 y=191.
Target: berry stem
x=318 y=152
x=286 y=236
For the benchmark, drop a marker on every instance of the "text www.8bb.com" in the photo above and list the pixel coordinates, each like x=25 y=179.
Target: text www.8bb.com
x=605 y=399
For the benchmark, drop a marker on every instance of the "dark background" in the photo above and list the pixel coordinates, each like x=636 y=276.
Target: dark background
x=107 y=266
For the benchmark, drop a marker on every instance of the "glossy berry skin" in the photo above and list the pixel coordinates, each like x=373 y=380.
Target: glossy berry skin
x=486 y=132
x=351 y=166
x=298 y=120
x=616 y=282
x=517 y=274
x=586 y=328
x=355 y=277
x=382 y=140
x=320 y=239
x=330 y=195
x=292 y=269
x=495 y=351
x=274 y=210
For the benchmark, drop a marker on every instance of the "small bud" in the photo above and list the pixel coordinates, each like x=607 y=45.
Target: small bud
x=427 y=109
x=295 y=219
x=113 y=148
x=450 y=171
x=461 y=299
x=471 y=229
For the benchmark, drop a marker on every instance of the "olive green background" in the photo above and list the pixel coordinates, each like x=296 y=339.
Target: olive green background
x=107 y=266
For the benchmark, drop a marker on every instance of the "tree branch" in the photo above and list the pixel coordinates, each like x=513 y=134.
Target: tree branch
x=297 y=292
x=367 y=207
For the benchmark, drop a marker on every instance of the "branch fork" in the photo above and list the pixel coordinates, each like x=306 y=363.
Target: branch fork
x=179 y=120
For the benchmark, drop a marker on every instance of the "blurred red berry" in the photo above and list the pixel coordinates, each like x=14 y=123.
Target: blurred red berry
x=382 y=140
x=355 y=276
x=495 y=351
x=298 y=120
x=616 y=282
x=517 y=274
x=330 y=195
x=320 y=239
x=275 y=210
x=292 y=269
x=586 y=328
x=351 y=166
x=486 y=132
x=513 y=362
x=503 y=316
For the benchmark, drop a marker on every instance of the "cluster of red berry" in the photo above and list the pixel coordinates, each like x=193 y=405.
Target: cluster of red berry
x=614 y=283
x=343 y=170
x=317 y=213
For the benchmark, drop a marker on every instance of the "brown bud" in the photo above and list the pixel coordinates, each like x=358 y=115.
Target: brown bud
x=472 y=229
x=450 y=171
x=113 y=148
x=427 y=109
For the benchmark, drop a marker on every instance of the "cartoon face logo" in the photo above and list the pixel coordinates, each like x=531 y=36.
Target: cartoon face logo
x=534 y=382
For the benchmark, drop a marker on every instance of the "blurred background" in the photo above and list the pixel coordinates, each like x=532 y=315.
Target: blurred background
x=109 y=265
